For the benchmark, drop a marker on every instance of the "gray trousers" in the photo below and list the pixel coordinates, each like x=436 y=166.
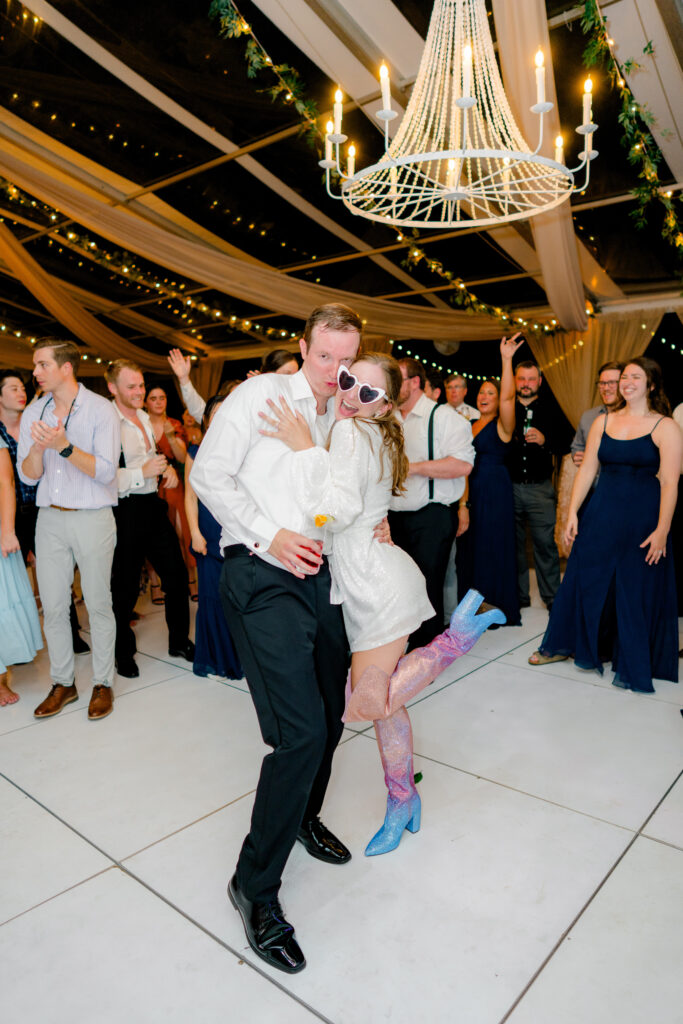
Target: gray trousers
x=63 y=540
x=535 y=504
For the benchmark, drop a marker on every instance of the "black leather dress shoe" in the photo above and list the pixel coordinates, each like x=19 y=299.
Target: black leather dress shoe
x=268 y=934
x=127 y=668
x=186 y=651
x=320 y=842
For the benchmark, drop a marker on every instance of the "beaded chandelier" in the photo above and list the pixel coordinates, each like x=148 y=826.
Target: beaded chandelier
x=458 y=157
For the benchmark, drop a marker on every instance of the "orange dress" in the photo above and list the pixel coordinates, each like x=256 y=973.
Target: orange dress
x=175 y=496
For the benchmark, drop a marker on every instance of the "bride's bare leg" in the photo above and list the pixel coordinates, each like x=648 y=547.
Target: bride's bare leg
x=384 y=658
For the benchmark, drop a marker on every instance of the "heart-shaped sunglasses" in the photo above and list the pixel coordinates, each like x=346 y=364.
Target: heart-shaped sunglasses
x=367 y=393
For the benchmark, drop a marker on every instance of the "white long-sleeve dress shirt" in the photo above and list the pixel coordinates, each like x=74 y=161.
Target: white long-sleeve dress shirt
x=452 y=437
x=244 y=478
x=136 y=452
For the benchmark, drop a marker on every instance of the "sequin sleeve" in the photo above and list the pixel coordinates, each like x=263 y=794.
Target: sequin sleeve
x=332 y=483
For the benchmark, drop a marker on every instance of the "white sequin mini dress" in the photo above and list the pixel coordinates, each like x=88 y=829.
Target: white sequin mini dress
x=380 y=588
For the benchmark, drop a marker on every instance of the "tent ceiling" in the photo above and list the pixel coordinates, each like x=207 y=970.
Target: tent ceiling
x=268 y=203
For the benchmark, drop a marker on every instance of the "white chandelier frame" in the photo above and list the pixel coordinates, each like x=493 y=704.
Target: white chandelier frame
x=462 y=185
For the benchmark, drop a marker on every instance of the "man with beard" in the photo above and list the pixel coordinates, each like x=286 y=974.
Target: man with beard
x=531 y=468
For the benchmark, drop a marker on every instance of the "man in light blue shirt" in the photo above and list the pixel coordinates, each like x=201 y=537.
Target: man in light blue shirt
x=70 y=444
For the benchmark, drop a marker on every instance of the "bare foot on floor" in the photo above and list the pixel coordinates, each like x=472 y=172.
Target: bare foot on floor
x=7 y=696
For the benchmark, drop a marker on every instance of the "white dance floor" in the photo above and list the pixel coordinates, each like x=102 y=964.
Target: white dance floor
x=545 y=886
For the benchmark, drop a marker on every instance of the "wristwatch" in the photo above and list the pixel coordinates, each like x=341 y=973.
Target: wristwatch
x=464 y=504
x=66 y=452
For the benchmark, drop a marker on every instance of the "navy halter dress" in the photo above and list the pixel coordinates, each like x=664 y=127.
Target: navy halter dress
x=611 y=603
x=486 y=554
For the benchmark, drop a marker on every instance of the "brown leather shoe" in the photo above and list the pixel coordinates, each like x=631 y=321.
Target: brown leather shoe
x=56 y=699
x=102 y=702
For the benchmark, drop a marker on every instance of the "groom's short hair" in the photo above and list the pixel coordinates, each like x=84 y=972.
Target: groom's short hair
x=335 y=317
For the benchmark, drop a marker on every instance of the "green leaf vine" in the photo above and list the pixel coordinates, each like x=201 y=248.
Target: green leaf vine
x=288 y=87
x=636 y=120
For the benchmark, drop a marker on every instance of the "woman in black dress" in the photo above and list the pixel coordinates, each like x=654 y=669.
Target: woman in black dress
x=486 y=558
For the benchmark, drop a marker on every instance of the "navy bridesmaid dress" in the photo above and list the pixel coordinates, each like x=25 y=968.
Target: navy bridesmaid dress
x=214 y=652
x=486 y=554
x=611 y=603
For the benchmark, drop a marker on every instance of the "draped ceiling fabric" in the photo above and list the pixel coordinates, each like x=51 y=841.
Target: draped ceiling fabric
x=94 y=51
x=74 y=317
x=262 y=286
x=570 y=360
x=556 y=245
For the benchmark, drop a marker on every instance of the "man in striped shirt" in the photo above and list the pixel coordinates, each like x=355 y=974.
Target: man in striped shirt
x=69 y=445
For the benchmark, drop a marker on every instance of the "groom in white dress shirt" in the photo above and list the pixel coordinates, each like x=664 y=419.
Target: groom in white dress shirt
x=275 y=589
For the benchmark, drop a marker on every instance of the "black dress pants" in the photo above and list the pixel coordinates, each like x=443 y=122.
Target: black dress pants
x=144 y=531
x=293 y=649
x=427 y=535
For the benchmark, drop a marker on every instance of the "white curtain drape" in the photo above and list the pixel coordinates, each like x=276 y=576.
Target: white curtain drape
x=519 y=35
x=256 y=284
x=570 y=360
x=78 y=320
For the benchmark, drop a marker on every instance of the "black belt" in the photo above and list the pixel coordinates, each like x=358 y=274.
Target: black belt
x=233 y=550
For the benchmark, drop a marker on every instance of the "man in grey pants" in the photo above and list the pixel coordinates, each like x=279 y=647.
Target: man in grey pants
x=70 y=443
x=531 y=467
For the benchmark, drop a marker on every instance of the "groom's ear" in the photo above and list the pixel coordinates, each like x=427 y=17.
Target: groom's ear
x=303 y=348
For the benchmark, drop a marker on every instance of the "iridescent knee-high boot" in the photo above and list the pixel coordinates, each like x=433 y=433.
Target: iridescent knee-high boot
x=395 y=742
x=378 y=695
x=381 y=698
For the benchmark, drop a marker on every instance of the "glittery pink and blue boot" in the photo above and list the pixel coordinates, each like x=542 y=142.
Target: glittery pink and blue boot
x=378 y=695
x=395 y=742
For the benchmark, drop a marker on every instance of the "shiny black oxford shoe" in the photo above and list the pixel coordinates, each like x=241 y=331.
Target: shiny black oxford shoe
x=321 y=844
x=268 y=933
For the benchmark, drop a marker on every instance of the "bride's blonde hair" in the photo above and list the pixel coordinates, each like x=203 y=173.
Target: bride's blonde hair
x=391 y=429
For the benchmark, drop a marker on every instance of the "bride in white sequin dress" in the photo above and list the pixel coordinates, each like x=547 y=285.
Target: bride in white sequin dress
x=346 y=490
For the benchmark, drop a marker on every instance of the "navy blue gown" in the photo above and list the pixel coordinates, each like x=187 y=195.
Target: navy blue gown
x=486 y=553
x=611 y=603
x=214 y=652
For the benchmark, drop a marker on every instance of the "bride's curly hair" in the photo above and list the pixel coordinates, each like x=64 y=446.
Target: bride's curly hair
x=388 y=422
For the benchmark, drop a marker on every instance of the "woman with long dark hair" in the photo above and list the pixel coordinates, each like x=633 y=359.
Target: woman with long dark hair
x=346 y=489
x=618 y=597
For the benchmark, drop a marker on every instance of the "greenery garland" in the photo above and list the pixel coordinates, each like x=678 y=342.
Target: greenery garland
x=288 y=87
x=636 y=121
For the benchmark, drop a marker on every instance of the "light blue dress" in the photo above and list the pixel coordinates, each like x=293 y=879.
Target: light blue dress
x=20 y=635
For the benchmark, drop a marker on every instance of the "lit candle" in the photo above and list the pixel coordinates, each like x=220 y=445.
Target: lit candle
x=450 y=174
x=351 y=161
x=559 y=150
x=393 y=180
x=337 y=111
x=328 y=141
x=386 y=87
x=466 y=71
x=540 y=78
x=587 y=98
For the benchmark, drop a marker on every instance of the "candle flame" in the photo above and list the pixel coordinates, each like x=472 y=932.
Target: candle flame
x=451 y=165
x=352 y=150
x=329 y=127
x=588 y=85
x=539 y=58
x=559 y=141
x=338 y=96
x=384 y=71
x=467 y=53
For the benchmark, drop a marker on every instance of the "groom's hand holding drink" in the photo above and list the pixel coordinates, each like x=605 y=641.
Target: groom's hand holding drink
x=298 y=554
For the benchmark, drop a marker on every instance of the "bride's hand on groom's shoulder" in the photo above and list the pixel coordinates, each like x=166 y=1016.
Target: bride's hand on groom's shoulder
x=286 y=425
